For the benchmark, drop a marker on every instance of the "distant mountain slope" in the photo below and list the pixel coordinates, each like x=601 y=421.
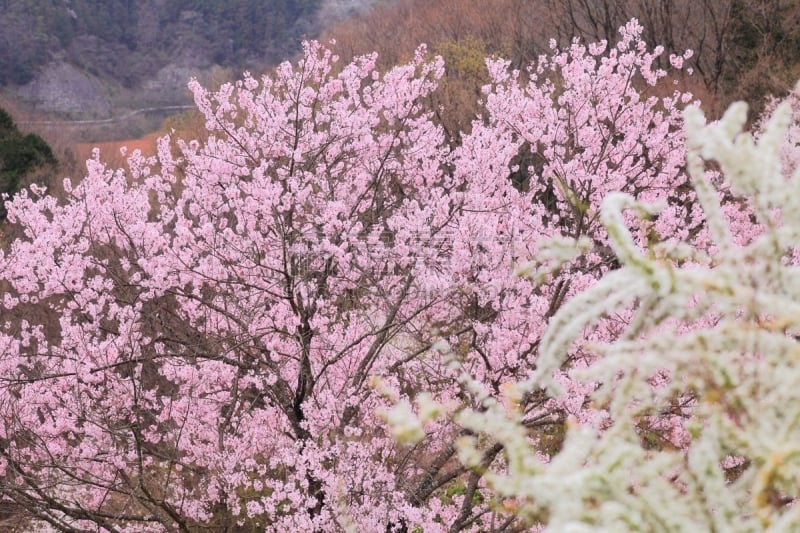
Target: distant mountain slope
x=128 y=40
x=86 y=58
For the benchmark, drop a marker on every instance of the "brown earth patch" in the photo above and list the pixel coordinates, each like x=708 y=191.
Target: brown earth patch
x=110 y=150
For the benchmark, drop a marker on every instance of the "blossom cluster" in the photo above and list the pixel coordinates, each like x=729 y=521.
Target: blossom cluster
x=716 y=328
x=218 y=336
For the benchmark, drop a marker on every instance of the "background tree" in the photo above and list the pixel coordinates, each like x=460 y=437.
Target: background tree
x=742 y=48
x=19 y=156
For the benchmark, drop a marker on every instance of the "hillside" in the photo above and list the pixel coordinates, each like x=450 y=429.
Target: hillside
x=741 y=49
x=96 y=58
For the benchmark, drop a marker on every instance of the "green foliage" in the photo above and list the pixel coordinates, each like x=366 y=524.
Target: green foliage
x=465 y=58
x=19 y=155
x=7 y=126
x=460 y=489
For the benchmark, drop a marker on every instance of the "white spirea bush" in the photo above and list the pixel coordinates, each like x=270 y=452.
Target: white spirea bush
x=715 y=328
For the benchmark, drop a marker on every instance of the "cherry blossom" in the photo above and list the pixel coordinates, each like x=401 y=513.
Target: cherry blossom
x=220 y=335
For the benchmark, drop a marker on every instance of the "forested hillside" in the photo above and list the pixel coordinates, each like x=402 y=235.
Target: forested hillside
x=130 y=40
x=89 y=58
x=742 y=49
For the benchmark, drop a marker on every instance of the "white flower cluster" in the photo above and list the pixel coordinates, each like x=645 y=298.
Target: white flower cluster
x=721 y=323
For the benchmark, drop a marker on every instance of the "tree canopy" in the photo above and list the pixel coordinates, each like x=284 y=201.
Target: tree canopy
x=325 y=315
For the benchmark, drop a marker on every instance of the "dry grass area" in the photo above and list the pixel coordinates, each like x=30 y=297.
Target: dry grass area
x=110 y=150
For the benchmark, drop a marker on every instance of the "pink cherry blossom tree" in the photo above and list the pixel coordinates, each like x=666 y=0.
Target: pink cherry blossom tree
x=212 y=338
